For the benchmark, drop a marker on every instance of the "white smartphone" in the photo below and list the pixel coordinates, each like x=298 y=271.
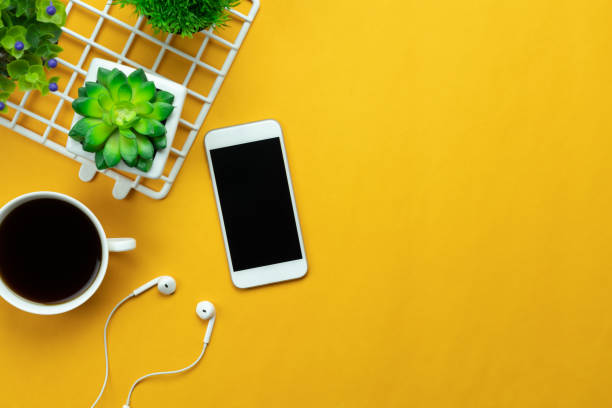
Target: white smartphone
x=256 y=204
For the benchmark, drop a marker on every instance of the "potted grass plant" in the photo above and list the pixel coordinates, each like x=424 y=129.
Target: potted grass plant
x=125 y=118
x=183 y=17
x=29 y=31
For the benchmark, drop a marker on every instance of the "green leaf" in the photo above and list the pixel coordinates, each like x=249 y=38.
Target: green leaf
x=79 y=138
x=129 y=150
x=26 y=8
x=163 y=96
x=87 y=107
x=106 y=118
x=127 y=133
x=145 y=147
x=97 y=136
x=104 y=76
x=12 y=35
x=56 y=49
x=49 y=30
x=158 y=129
x=150 y=127
x=161 y=111
x=116 y=80
x=36 y=72
x=125 y=93
x=136 y=78
x=144 y=126
x=106 y=101
x=59 y=18
x=43 y=50
x=112 y=155
x=95 y=90
x=32 y=59
x=144 y=92
x=83 y=92
x=6 y=84
x=16 y=31
x=33 y=36
x=27 y=86
x=48 y=51
x=144 y=108
x=144 y=165
x=159 y=142
x=82 y=127
x=35 y=78
x=100 y=163
x=17 y=68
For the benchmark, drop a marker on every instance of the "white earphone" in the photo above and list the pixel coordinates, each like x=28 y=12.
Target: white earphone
x=206 y=311
x=166 y=286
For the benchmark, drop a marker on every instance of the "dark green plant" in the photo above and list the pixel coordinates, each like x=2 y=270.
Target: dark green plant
x=29 y=31
x=184 y=17
x=123 y=119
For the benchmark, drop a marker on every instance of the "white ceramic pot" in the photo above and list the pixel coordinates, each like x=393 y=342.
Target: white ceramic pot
x=161 y=157
x=108 y=245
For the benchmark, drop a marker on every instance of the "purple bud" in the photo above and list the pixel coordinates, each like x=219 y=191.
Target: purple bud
x=19 y=46
x=2 y=106
x=52 y=63
x=51 y=10
x=53 y=87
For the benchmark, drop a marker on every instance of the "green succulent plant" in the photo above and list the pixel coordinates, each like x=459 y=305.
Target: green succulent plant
x=122 y=119
x=29 y=31
x=184 y=17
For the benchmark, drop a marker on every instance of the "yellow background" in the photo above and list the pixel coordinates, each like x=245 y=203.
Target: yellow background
x=451 y=162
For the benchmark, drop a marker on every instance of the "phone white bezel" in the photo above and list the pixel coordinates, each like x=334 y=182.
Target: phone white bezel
x=240 y=134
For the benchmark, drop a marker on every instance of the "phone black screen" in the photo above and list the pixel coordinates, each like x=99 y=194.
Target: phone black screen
x=256 y=204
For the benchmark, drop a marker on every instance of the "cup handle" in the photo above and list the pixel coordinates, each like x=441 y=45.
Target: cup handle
x=121 y=244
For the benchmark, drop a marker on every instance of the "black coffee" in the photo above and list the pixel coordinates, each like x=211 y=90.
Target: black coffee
x=50 y=251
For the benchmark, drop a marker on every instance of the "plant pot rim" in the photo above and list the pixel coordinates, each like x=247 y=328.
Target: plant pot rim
x=164 y=84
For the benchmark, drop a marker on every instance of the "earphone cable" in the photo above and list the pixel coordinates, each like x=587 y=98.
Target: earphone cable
x=131 y=295
x=182 y=370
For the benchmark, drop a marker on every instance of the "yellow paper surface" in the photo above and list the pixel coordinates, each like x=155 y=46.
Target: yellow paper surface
x=451 y=164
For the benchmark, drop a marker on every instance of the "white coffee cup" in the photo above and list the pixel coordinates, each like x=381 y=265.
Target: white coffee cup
x=108 y=245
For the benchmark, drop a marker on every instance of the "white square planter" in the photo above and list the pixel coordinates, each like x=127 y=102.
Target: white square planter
x=161 y=156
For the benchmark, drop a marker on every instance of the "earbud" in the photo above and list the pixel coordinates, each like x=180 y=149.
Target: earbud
x=165 y=284
x=206 y=311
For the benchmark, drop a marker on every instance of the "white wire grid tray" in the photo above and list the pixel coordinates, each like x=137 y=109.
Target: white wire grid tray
x=104 y=30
